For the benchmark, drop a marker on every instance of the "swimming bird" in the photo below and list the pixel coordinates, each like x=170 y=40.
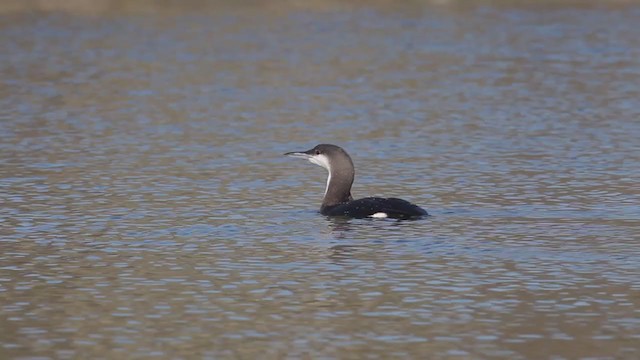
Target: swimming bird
x=337 y=200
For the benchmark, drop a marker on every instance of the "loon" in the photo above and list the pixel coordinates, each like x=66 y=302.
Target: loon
x=337 y=199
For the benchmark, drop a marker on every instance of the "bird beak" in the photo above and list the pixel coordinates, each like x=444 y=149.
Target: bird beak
x=299 y=154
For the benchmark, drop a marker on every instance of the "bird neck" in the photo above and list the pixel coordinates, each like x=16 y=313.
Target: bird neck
x=338 y=188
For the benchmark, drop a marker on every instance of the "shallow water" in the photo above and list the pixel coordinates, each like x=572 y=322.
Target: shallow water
x=146 y=209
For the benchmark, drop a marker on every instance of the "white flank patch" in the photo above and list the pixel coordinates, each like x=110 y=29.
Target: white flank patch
x=379 y=215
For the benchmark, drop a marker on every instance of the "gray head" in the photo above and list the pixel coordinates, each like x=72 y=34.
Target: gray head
x=340 y=167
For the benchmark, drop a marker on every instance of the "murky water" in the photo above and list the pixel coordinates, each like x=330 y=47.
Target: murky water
x=147 y=210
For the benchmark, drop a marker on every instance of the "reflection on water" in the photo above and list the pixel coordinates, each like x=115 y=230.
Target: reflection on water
x=146 y=209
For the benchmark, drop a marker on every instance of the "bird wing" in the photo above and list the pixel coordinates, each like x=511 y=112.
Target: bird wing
x=393 y=207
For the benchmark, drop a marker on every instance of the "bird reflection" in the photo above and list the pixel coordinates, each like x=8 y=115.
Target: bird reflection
x=340 y=253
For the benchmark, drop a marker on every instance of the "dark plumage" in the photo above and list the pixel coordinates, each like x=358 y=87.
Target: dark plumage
x=337 y=200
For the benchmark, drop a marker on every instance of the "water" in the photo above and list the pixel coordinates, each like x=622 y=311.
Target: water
x=146 y=209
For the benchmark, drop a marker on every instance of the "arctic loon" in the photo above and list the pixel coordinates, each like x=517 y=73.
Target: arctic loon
x=337 y=199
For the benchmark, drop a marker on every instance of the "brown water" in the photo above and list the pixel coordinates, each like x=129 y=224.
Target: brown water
x=146 y=209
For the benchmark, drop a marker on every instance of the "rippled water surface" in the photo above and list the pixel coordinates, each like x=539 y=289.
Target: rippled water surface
x=146 y=209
